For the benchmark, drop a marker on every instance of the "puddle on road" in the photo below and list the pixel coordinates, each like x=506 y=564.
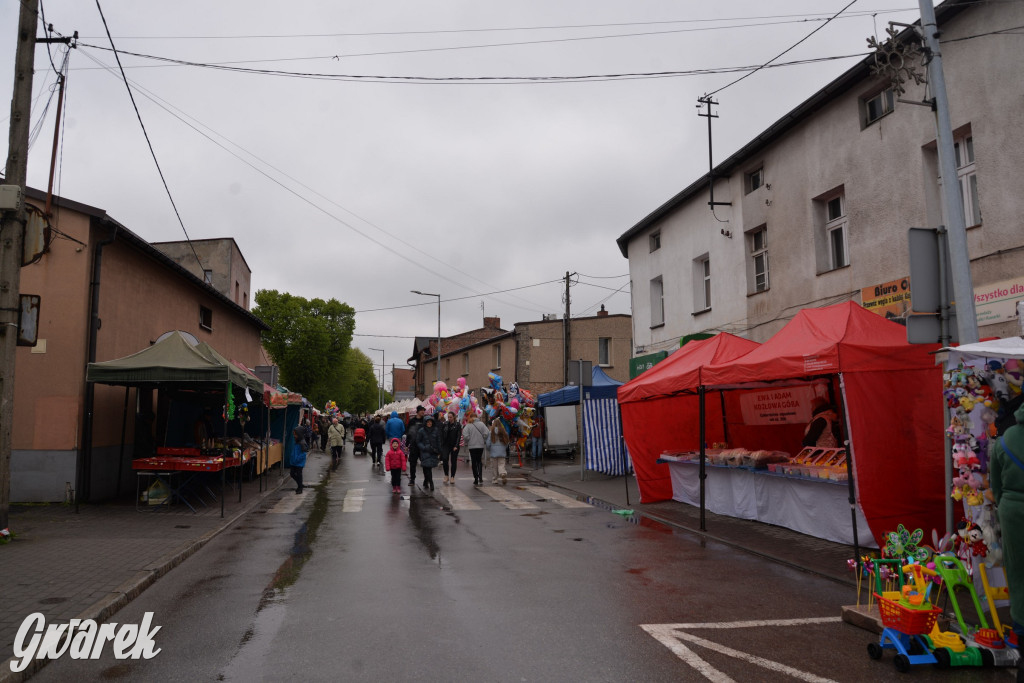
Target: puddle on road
x=259 y=641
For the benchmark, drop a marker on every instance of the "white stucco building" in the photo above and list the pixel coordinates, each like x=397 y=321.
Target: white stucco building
x=822 y=200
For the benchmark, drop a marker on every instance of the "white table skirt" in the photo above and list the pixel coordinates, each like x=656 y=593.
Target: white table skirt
x=816 y=508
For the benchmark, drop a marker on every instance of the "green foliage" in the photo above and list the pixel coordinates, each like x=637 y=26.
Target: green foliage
x=358 y=386
x=309 y=340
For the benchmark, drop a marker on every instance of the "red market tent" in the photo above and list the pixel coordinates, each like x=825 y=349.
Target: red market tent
x=661 y=409
x=888 y=391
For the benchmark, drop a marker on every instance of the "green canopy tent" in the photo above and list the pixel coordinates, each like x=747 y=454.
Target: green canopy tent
x=173 y=360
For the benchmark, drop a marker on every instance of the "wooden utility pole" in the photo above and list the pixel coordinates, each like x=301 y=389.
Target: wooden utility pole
x=12 y=238
x=565 y=327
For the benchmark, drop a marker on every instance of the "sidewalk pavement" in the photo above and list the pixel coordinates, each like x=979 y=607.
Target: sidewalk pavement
x=91 y=564
x=806 y=553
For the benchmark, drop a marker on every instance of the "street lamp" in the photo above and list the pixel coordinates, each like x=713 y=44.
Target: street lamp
x=380 y=387
x=416 y=291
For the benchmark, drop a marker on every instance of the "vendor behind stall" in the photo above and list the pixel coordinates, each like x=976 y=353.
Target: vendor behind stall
x=823 y=429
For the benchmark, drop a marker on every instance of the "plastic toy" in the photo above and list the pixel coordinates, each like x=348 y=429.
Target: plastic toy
x=907 y=615
x=984 y=646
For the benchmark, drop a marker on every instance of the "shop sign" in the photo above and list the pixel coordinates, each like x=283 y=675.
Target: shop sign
x=788 y=405
x=639 y=364
x=890 y=300
x=997 y=302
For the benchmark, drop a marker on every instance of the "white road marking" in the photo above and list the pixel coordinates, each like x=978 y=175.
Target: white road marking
x=555 y=497
x=353 y=501
x=287 y=504
x=506 y=498
x=458 y=499
x=671 y=636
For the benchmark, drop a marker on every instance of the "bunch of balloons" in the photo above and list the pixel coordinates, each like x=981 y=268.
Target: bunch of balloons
x=460 y=401
x=332 y=411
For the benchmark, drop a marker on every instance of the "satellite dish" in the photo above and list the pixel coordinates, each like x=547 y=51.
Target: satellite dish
x=189 y=337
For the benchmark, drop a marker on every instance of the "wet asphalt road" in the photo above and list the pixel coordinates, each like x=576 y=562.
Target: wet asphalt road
x=357 y=583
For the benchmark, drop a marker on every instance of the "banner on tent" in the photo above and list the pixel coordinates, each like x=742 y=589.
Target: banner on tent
x=786 y=405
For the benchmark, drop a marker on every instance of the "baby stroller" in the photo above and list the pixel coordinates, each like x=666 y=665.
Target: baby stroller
x=359 y=441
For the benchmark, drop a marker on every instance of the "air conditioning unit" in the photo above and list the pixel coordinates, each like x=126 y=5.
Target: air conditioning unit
x=550 y=316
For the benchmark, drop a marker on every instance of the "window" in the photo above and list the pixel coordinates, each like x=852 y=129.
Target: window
x=208 y=276
x=245 y=300
x=755 y=179
x=465 y=364
x=205 y=318
x=878 y=105
x=963 y=149
x=702 y=284
x=657 y=302
x=604 y=348
x=758 y=242
x=656 y=241
x=447 y=369
x=496 y=354
x=835 y=231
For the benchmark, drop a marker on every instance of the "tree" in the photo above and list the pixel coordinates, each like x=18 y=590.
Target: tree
x=309 y=340
x=358 y=383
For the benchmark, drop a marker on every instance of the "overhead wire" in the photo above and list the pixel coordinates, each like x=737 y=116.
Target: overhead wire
x=146 y=134
x=168 y=107
x=788 y=49
x=305 y=36
x=473 y=80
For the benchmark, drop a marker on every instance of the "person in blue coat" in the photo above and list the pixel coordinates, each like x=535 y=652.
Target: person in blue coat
x=297 y=461
x=395 y=428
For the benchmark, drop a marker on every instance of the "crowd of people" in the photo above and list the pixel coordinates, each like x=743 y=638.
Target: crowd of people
x=417 y=446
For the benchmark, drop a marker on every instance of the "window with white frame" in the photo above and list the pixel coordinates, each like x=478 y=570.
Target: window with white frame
x=702 y=284
x=835 y=232
x=878 y=105
x=657 y=302
x=656 y=241
x=757 y=241
x=754 y=179
x=963 y=150
x=604 y=351
x=496 y=356
x=465 y=364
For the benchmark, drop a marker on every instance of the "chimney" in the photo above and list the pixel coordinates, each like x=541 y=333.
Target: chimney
x=492 y=322
x=602 y=313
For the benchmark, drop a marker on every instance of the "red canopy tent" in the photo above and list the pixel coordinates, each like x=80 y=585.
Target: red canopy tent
x=661 y=409
x=888 y=392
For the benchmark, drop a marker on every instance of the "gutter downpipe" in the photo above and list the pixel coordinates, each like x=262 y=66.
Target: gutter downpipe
x=84 y=458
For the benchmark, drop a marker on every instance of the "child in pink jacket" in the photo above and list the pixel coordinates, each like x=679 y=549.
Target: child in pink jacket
x=396 y=463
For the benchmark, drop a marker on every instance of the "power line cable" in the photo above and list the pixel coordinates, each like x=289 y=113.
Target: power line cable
x=306 y=36
x=150 y=144
x=788 y=49
x=166 y=106
x=458 y=298
x=475 y=80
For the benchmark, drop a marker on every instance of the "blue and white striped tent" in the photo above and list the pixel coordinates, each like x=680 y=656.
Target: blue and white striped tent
x=603 y=447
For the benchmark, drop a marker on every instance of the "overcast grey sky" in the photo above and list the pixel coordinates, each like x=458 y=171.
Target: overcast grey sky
x=365 y=188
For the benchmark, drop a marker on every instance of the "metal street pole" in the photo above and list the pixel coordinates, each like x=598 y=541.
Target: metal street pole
x=12 y=239
x=416 y=291
x=380 y=386
x=952 y=202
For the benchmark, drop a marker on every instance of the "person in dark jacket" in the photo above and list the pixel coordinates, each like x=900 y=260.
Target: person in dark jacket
x=414 y=450
x=378 y=438
x=451 y=439
x=428 y=438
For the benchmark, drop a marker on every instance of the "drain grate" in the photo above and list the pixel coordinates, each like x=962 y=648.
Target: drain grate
x=52 y=601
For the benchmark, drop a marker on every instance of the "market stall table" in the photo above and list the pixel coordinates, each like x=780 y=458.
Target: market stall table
x=180 y=474
x=816 y=507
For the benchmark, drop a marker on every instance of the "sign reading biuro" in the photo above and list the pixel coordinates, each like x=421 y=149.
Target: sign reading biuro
x=640 y=364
